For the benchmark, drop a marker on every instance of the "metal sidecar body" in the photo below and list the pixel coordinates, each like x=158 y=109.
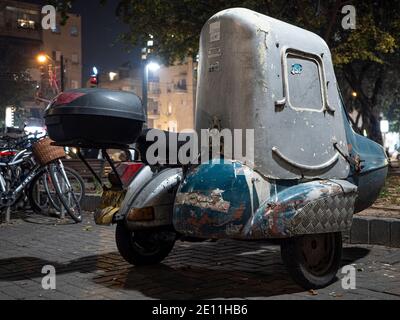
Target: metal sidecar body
x=310 y=171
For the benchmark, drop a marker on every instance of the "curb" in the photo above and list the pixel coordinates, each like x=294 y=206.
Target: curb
x=365 y=230
x=372 y=230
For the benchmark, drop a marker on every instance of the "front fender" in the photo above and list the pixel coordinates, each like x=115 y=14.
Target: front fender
x=314 y=207
x=158 y=194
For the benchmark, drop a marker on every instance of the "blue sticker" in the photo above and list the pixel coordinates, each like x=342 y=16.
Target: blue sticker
x=297 y=68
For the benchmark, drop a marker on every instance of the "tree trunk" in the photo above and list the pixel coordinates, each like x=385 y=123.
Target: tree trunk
x=374 y=129
x=369 y=110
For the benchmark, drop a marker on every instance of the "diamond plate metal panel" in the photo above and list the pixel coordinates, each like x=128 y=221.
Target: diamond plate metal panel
x=329 y=214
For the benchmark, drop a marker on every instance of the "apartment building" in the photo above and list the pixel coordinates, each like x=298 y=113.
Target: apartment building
x=65 y=42
x=21 y=32
x=171 y=93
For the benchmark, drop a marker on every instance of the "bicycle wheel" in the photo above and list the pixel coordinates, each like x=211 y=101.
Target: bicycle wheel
x=64 y=190
x=43 y=195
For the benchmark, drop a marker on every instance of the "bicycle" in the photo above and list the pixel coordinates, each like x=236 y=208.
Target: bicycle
x=43 y=197
x=44 y=158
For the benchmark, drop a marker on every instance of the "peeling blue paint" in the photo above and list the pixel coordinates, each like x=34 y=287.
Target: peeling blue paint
x=226 y=207
x=206 y=219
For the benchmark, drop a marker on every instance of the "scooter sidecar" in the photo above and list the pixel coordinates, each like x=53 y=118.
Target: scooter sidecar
x=308 y=171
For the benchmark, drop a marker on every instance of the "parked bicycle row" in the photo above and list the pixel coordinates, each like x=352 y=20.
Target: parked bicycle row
x=32 y=175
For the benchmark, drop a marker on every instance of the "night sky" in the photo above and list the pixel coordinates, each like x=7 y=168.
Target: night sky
x=100 y=30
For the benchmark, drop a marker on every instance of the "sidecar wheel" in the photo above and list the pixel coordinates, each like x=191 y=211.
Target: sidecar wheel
x=313 y=260
x=143 y=247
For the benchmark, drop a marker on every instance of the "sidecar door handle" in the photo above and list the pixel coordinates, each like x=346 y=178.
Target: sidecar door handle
x=321 y=166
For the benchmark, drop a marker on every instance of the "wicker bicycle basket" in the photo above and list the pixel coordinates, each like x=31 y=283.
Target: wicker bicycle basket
x=45 y=153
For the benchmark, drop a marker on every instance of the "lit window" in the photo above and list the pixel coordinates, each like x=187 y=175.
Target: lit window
x=112 y=76
x=26 y=24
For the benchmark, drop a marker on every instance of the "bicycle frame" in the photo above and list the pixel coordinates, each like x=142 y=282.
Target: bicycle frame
x=11 y=197
x=17 y=159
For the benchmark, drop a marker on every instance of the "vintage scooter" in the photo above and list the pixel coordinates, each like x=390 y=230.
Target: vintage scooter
x=309 y=173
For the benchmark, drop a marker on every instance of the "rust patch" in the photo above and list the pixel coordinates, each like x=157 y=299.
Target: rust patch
x=238 y=214
x=213 y=202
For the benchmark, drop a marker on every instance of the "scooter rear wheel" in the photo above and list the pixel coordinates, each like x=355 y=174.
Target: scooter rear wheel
x=313 y=260
x=143 y=247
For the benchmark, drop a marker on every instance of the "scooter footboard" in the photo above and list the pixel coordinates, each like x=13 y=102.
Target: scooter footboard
x=309 y=208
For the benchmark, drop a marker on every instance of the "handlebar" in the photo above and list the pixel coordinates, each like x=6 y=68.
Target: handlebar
x=16 y=142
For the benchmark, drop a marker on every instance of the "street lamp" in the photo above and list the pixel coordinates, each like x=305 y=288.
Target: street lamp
x=94 y=78
x=153 y=67
x=42 y=58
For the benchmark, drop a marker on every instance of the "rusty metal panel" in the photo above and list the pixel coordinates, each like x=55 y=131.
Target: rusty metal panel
x=216 y=200
x=229 y=200
x=256 y=72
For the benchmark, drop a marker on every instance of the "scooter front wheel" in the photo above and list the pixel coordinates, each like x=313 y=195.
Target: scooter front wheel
x=313 y=260
x=143 y=247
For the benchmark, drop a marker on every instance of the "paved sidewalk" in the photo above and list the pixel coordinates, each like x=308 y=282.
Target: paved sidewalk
x=88 y=266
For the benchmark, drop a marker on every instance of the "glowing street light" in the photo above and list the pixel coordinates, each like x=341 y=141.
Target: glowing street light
x=354 y=94
x=153 y=66
x=112 y=76
x=42 y=58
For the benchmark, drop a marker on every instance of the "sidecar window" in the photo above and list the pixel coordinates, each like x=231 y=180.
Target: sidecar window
x=304 y=83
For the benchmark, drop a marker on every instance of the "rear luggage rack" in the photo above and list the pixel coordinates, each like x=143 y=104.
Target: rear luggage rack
x=95 y=174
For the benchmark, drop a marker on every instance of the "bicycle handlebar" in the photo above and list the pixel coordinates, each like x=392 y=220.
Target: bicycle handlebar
x=18 y=141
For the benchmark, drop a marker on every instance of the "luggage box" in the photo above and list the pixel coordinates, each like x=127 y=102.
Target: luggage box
x=95 y=118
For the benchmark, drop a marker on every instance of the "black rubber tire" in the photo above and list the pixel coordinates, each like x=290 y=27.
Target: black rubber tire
x=31 y=188
x=74 y=212
x=129 y=250
x=294 y=258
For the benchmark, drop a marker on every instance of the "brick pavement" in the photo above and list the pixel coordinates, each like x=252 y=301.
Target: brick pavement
x=88 y=266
